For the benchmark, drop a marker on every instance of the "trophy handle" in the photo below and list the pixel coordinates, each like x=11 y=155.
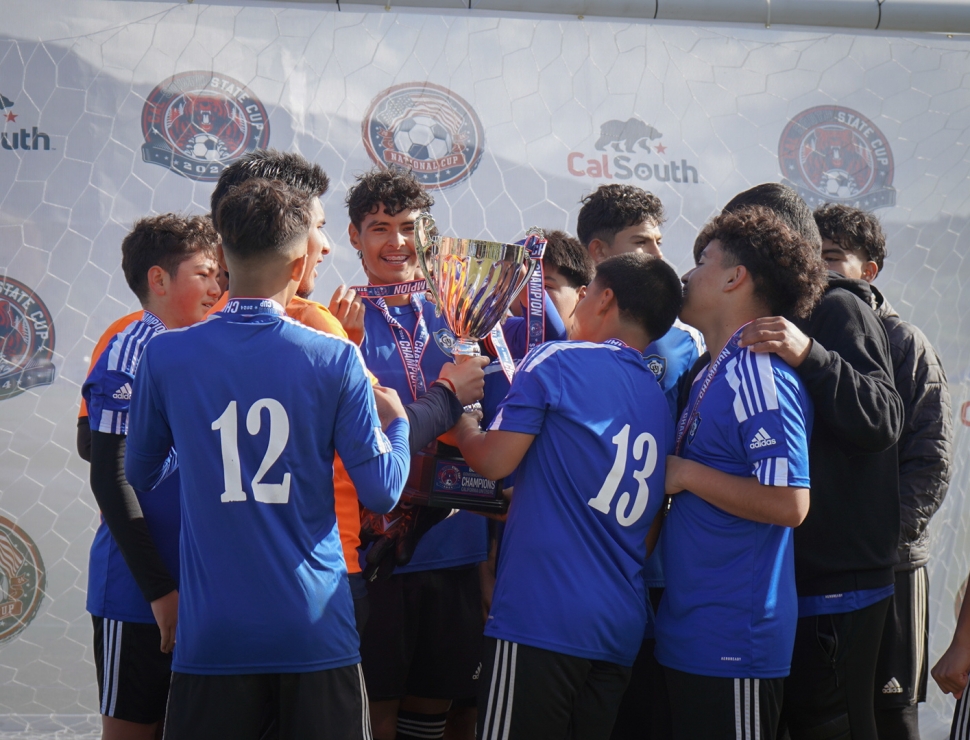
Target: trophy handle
x=424 y=228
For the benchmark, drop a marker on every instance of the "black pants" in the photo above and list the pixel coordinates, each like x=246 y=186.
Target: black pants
x=323 y=705
x=828 y=695
x=527 y=693
x=716 y=708
x=645 y=710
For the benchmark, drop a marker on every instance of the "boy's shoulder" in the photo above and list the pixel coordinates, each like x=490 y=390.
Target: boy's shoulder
x=122 y=351
x=569 y=351
x=762 y=381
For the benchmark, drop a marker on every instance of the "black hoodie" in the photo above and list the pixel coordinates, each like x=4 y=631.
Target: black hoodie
x=848 y=541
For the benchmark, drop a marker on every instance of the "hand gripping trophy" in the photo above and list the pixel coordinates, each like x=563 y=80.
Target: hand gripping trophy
x=473 y=282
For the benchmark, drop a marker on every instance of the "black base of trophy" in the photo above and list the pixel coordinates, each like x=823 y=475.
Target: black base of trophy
x=448 y=482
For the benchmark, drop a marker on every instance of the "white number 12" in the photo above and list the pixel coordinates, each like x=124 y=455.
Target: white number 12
x=604 y=499
x=279 y=434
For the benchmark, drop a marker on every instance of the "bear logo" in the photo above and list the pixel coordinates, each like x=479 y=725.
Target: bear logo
x=630 y=134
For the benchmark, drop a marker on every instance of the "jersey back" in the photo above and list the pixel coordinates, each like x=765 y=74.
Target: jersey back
x=586 y=493
x=112 y=590
x=730 y=606
x=264 y=587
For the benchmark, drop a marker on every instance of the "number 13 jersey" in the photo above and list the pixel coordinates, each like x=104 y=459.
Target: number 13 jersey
x=569 y=576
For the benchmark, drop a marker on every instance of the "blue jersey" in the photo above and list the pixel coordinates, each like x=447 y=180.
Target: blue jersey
x=570 y=570
x=730 y=606
x=255 y=404
x=670 y=358
x=112 y=590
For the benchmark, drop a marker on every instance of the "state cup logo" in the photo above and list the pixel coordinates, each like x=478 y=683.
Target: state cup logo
x=22 y=580
x=26 y=339
x=832 y=154
x=198 y=123
x=427 y=129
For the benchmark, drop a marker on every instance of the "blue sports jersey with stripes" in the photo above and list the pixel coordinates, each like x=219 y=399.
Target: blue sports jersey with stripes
x=256 y=404
x=730 y=606
x=112 y=591
x=570 y=570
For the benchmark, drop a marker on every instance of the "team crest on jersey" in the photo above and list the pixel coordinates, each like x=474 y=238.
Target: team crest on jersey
x=833 y=154
x=26 y=339
x=657 y=365
x=22 y=579
x=693 y=429
x=445 y=340
x=198 y=123
x=449 y=476
x=427 y=129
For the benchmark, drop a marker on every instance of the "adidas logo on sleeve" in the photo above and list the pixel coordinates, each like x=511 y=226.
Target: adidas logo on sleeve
x=123 y=393
x=762 y=439
x=892 y=687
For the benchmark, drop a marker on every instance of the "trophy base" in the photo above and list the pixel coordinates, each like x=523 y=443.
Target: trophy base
x=448 y=482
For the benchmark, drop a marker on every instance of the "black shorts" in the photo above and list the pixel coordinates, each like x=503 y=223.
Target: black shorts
x=284 y=706
x=529 y=693
x=902 y=669
x=133 y=673
x=960 y=727
x=714 y=707
x=424 y=635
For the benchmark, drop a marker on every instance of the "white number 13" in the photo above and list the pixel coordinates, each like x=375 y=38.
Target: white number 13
x=279 y=433
x=604 y=499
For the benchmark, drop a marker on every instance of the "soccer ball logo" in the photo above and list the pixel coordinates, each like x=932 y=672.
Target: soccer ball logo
x=206 y=147
x=421 y=137
x=426 y=129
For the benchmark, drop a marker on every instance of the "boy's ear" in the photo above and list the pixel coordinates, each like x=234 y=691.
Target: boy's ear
x=607 y=300
x=738 y=277
x=158 y=280
x=869 y=271
x=597 y=250
x=298 y=267
x=354 y=235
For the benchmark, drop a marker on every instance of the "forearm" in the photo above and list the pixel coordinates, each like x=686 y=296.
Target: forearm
x=84 y=438
x=431 y=416
x=123 y=515
x=380 y=480
x=744 y=497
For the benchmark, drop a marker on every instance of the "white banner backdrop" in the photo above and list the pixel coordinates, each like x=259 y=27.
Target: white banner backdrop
x=113 y=110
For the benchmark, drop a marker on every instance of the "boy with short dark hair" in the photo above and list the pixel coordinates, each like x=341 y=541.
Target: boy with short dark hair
x=569 y=607
x=170 y=264
x=853 y=245
x=264 y=431
x=726 y=625
x=566 y=269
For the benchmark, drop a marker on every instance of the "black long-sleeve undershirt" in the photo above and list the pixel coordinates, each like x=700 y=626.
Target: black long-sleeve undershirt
x=123 y=515
x=432 y=415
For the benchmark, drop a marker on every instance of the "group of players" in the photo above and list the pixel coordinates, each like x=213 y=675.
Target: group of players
x=303 y=600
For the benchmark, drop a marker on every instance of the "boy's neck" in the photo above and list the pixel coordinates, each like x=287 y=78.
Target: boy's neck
x=158 y=309
x=717 y=335
x=282 y=297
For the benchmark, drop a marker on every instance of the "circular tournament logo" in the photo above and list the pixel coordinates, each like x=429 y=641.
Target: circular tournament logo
x=26 y=339
x=22 y=579
x=427 y=129
x=197 y=123
x=832 y=154
x=449 y=476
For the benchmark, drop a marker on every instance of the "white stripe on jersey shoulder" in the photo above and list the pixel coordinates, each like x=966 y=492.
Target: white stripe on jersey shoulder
x=548 y=350
x=127 y=345
x=695 y=335
x=752 y=378
x=344 y=340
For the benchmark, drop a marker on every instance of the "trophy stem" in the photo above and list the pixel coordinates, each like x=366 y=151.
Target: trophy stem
x=465 y=348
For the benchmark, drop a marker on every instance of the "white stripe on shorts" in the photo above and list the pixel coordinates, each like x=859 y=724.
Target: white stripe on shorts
x=501 y=692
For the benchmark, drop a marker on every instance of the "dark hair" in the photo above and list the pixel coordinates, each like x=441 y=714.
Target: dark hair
x=788 y=274
x=787 y=205
x=647 y=290
x=569 y=258
x=611 y=208
x=167 y=241
x=397 y=189
x=270 y=164
x=852 y=229
x=261 y=218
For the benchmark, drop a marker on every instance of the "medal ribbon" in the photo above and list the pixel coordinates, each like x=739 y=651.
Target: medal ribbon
x=535 y=307
x=687 y=418
x=383 y=291
x=410 y=348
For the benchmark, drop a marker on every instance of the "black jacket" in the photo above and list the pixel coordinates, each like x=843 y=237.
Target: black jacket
x=849 y=539
x=925 y=447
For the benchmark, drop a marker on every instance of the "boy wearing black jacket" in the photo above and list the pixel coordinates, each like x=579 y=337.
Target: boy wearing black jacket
x=845 y=551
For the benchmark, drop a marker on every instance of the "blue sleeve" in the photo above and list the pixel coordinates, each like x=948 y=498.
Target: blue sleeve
x=380 y=480
x=516 y=328
x=535 y=390
x=357 y=433
x=107 y=394
x=149 y=458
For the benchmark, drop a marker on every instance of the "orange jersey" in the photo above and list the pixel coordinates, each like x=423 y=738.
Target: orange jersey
x=115 y=327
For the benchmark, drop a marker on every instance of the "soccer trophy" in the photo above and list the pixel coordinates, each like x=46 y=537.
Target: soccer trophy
x=473 y=283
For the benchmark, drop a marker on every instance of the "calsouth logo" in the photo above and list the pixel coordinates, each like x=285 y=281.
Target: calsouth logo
x=762 y=439
x=26 y=339
x=22 y=579
x=835 y=154
x=198 y=123
x=631 y=149
x=17 y=138
x=427 y=129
